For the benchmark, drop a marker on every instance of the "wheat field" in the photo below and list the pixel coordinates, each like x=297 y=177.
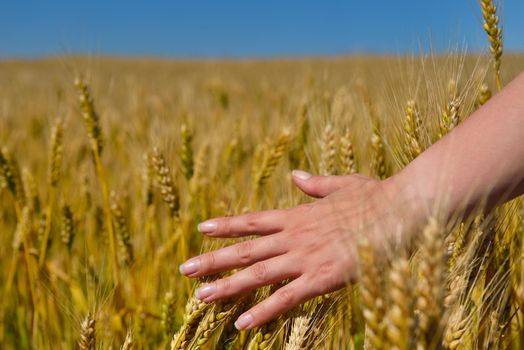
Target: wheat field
x=107 y=165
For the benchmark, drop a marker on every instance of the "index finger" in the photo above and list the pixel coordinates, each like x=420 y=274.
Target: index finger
x=256 y=223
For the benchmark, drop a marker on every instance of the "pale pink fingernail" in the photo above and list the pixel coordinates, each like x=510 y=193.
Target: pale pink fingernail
x=207 y=226
x=244 y=321
x=189 y=267
x=301 y=175
x=205 y=291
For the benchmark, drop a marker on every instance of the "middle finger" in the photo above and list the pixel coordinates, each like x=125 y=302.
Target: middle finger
x=237 y=255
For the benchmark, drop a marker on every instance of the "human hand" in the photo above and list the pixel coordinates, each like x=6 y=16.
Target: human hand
x=313 y=245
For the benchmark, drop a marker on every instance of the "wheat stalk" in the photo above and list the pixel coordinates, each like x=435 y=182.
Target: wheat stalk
x=55 y=162
x=94 y=132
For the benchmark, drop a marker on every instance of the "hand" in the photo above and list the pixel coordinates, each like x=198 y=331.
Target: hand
x=313 y=245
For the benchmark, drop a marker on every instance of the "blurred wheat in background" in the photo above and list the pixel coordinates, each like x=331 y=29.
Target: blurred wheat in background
x=103 y=181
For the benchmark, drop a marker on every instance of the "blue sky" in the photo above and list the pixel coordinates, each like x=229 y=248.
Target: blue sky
x=244 y=28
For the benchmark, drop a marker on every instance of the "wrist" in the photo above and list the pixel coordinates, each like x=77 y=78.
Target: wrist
x=411 y=201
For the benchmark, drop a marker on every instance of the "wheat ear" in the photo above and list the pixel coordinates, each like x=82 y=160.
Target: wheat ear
x=412 y=128
x=347 y=155
x=30 y=190
x=373 y=307
x=483 y=95
x=168 y=190
x=271 y=159
x=399 y=317
x=328 y=151
x=11 y=175
x=125 y=248
x=378 y=160
x=264 y=336
x=128 y=342
x=67 y=230
x=168 y=313
x=186 y=155
x=429 y=288
x=494 y=31
x=299 y=328
x=456 y=329
x=217 y=316
x=195 y=311
x=87 y=334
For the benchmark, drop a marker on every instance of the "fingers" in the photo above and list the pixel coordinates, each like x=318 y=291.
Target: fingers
x=238 y=255
x=257 y=275
x=320 y=186
x=256 y=223
x=283 y=300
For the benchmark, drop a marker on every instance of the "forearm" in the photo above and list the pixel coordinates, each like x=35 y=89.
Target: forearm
x=480 y=160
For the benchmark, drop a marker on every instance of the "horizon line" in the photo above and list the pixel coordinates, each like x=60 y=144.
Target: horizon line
x=44 y=57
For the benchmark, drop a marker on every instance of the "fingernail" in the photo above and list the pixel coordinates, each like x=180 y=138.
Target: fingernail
x=189 y=267
x=244 y=321
x=207 y=226
x=301 y=175
x=205 y=291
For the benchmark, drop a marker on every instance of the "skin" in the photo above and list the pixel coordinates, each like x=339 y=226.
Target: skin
x=480 y=162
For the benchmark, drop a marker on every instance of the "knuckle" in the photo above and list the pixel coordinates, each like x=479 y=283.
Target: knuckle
x=251 y=220
x=328 y=278
x=317 y=284
x=306 y=208
x=260 y=271
x=326 y=268
x=208 y=261
x=259 y=312
x=244 y=251
x=273 y=243
x=311 y=248
x=286 y=297
x=224 y=285
x=225 y=226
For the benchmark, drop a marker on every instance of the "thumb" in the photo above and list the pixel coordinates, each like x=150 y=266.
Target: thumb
x=319 y=186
